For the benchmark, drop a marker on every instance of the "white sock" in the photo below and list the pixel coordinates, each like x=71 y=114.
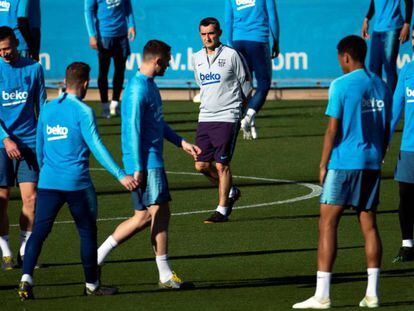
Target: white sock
x=232 y=191
x=163 y=268
x=407 y=243
x=92 y=286
x=114 y=103
x=4 y=245
x=323 y=284
x=106 y=248
x=222 y=210
x=24 y=237
x=27 y=278
x=373 y=282
x=249 y=115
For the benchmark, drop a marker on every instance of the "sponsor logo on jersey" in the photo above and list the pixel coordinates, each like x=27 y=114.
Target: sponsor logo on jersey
x=4 y=6
x=409 y=93
x=372 y=105
x=14 y=98
x=244 y=4
x=56 y=132
x=210 y=78
x=113 y=3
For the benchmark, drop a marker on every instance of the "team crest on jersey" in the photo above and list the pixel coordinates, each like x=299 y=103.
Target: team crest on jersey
x=113 y=3
x=4 y=6
x=244 y=4
x=221 y=62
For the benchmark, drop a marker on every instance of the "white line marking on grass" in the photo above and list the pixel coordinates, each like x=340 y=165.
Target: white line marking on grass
x=315 y=191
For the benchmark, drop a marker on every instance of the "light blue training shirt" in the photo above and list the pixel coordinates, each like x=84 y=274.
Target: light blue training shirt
x=388 y=15
x=251 y=20
x=10 y=10
x=22 y=93
x=66 y=134
x=108 y=18
x=362 y=102
x=143 y=126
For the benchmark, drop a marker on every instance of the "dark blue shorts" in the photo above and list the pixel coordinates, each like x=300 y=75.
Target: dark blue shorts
x=153 y=191
x=114 y=46
x=13 y=172
x=217 y=141
x=404 y=172
x=352 y=188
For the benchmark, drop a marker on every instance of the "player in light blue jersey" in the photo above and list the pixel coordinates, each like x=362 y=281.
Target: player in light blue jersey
x=22 y=93
x=110 y=25
x=143 y=133
x=250 y=25
x=355 y=141
x=403 y=104
x=66 y=135
x=389 y=31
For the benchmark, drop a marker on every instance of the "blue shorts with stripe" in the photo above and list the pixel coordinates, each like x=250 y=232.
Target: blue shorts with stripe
x=153 y=190
x=13 y=172
x=404 y=172
x=352 y=188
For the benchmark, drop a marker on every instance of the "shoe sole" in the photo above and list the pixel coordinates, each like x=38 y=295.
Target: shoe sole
x=214 y=222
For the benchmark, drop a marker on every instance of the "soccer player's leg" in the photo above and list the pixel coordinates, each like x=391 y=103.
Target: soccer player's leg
x=104 y=58
x=48 y=204
x=391 y=49
x=376 y=54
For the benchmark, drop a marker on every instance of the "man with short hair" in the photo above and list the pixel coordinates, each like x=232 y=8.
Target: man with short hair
x=22 y=88
x=225 y=85
x=110 y=25
x=66 y=135
x=249 y=26
x=143 y=133
x=355 y=141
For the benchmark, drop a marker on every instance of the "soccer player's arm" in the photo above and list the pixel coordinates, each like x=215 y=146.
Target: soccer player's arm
x=129 y=14
x=334 y=112
x=388 y=113
x=273 y=25
x=405 y=31
x=3 y=132
x=229 y=20
x=398 y=102
x=40 y=95
x=90 y=15
x=91 y=137
x=243 y=76
x=39 y=141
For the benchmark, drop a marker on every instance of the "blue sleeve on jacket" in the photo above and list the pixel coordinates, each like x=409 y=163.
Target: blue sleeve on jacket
x=93 y=140
x=171 y=135
x=398 y=101
x=23 y=8
x=90 y=12
x=229 y=19
x=41 y=95
x=39 y=141
x=273 y=19
x=129 y=14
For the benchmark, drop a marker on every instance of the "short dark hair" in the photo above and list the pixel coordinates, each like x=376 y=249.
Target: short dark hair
x=77 y=73
x=355 y=46
x=210 y=21
x=156 y=48
x=7 y=32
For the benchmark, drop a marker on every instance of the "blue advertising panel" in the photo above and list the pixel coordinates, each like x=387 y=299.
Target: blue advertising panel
x=310 y=30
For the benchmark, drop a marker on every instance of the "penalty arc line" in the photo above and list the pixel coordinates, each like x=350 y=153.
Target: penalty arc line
x=315 y=191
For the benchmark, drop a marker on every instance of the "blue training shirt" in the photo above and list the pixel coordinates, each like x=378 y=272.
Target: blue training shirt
x=388 y=15
x=23 y=92
x=251 y=20
x=66 y=133
x=404 y=101
x=108 y=18
x=143 y=126
x=10 y=10
x=362 y=102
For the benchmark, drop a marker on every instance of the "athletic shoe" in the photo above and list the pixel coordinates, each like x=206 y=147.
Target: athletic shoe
x=215 y=218
x=246 y=128
x=313 y=303
x=176 y=283
x=101 y=291
x=253 y=131
x=369 y=302
x=105 y=111
x=231 y=201
x=20 y=262
x=114 y=108
x=25 y=291
x=404 y=254
x=7 y=263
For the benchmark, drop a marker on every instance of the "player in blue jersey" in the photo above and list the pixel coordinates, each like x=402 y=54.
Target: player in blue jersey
x=22 y=93
x=389 y=31
x=143 y=133
x=66 y=135
x=110 y=25
x=403 y=103
x=355 y=141
x=249 y=26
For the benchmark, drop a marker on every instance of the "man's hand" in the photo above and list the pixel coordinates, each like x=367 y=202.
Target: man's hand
x=275 y=49
x=364 y=30
x=131 y=33
x=191 y=149
x=404 y=33
x=11 y=148
x=322 y=174
x=129 y=182
x=138 y=177
x=93 y=43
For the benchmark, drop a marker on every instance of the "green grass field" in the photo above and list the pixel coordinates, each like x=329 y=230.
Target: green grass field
x=263 y=259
